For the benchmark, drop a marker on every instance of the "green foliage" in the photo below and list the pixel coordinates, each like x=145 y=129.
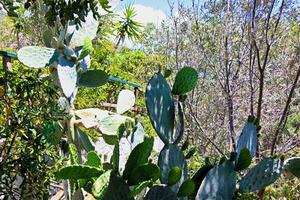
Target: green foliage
x=139 y=188
x=263 y=174
x=78 y=172
x=199 y=176
x=185 y=81
x=93 y=159
x=52 y=132
x=101 y=184
x=86 y=49
x=143 y=173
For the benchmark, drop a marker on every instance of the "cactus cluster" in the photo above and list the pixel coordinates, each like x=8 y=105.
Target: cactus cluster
x=68 y=56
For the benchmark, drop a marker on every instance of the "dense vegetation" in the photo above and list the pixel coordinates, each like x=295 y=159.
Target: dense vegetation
x=219 y=89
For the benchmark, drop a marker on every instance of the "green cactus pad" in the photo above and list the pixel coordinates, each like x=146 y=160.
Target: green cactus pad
x=144 y=172
x=37 y=57
x=88 y=30
x=67 y=75
x=160 y=192
x=93 y=159
x=244 y=160
x=160 y=106
x=109 y=186
x=138 y=157
x=93 y=78
x=78 y=172
x=110 y=125
x=248 y=139
x=73 y=154
x=185 y=81
x=293 y=165
x=219 y=183
x=174 y=175
x=187 y=188
x=263 y=174
x=171 y=156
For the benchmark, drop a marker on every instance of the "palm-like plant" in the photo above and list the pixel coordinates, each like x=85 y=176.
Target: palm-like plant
x=127 y=26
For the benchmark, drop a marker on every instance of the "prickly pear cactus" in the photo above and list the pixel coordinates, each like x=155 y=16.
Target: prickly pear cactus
x=160 y=106
x=110 y=125
x=187 y=188
x=67 y=75
x=160 y=192
x=37 y=57
x=292 y=165
x=263 y=174
x=93 y=78
x=174 y=175
x=78 y=172
x=185 y=81
x=219 y=183
x=248 y=138
x=171 y=156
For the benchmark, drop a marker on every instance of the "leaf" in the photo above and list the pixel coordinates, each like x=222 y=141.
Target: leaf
x=78 y=172
x=263 y=174
x=160 y=106
x=37 y=57
x=138 y=156
x=171 y=156
x=126 y=100
x=244 y=160
x=219 y=183
x=185 y=81
x=67 y=75
x=93 y=78
x=293 y=165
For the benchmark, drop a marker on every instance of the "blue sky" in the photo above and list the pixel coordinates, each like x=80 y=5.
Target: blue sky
x=156 y=4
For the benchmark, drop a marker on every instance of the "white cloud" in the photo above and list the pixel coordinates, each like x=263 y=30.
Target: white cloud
x=147 y=14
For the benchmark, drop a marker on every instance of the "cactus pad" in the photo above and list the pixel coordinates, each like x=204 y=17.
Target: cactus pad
x=126 y=100
x=219 y=183
x=187 y=188
x=263 y=174
x=160 y=106
x=174 y=175
x=67 y=75
x=93 y=78
x=160 y=192
x=137 y=136
x=138 y=156
x=144 y=172
x=171 y=156
x=248 y=139
x=78 y=172
x=37 y=57
x=110 y=125
x=293 y=165
x=185 y=81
